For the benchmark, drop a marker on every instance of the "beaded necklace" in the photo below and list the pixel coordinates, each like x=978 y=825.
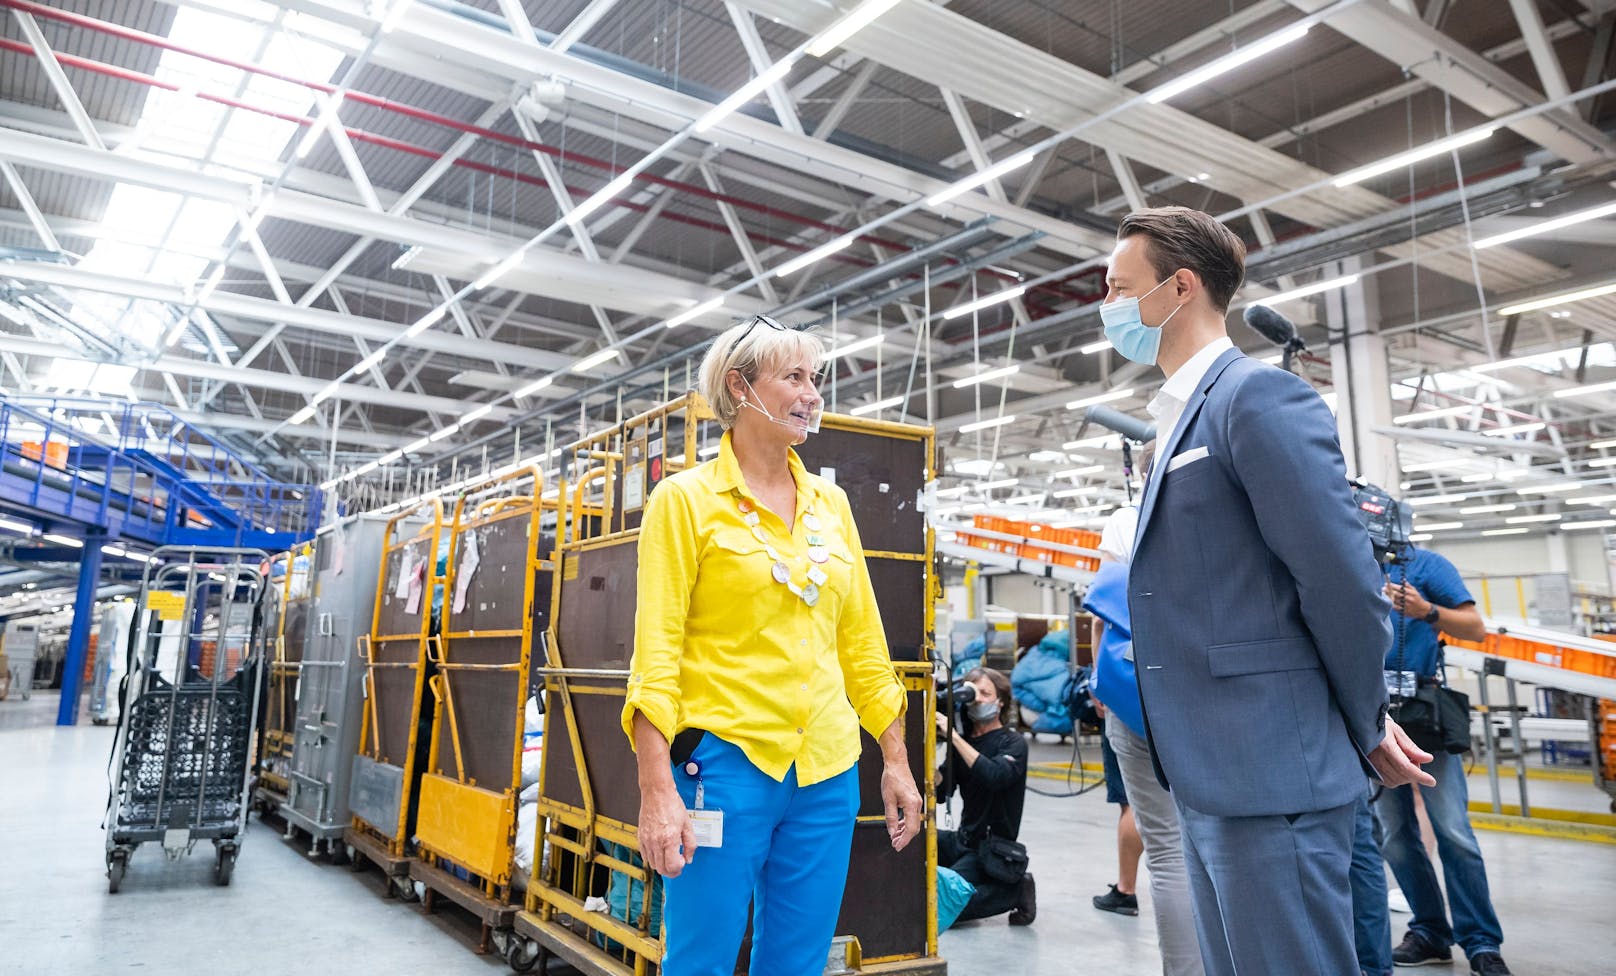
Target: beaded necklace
x=818 y=552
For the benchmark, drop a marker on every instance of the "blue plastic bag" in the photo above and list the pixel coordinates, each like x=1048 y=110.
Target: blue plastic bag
x=953 y=893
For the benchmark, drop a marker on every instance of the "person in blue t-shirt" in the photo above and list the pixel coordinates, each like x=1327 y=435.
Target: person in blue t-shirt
x=1429 y=597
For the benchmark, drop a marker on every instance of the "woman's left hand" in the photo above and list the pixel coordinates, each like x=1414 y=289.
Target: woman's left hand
x=902 y=801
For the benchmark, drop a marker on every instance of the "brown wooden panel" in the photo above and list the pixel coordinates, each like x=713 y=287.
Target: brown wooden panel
x=885 y=900
x=494 y=596
x=394 y=689
x=596 y=625
x=395 y=615
x=915 y=721
x=610 y=762
x=882 y=477
x=900 y=592
x=487 y=713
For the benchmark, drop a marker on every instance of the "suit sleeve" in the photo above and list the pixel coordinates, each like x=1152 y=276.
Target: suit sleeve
x=1284 y=451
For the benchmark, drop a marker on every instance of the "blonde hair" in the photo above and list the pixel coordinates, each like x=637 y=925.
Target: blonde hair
x=754 y=345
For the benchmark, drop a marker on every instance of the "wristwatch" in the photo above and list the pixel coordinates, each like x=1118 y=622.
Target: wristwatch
x=1432 y=617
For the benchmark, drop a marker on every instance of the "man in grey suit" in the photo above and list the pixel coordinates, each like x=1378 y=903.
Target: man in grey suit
x=1258 y=618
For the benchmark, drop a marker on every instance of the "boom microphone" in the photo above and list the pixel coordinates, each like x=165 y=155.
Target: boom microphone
x=1269 y=324
x=1132 y=428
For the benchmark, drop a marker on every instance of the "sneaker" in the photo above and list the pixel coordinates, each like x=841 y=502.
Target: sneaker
x=1116 y=901
x=1489 y=964
x=1415 y=950
x=1026 y=902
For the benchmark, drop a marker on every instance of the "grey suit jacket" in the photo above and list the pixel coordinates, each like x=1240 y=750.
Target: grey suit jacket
x=1258 y=618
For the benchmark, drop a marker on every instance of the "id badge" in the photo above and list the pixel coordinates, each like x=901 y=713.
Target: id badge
x=708 y=826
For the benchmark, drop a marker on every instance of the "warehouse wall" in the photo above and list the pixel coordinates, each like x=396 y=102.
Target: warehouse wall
x=1582 y=554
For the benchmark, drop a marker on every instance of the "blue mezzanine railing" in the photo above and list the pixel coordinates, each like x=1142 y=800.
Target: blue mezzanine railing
x=143 y=474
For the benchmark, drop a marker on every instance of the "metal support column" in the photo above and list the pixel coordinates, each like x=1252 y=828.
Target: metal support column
x=78 y=639
x=1488 y=737
x=1520 y=745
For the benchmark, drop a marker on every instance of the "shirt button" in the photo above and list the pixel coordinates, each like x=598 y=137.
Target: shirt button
x=804 y=687
x=803 y=643
x=799 y=731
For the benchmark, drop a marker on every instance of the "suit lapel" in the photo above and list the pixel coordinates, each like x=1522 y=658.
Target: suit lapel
x=1164 y=455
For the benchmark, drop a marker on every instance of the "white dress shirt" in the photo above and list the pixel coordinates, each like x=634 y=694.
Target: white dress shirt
x=1116 y=538
x=1167 y=406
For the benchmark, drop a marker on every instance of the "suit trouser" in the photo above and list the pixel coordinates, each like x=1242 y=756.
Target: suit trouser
x=1156 y=816
x=785 y=851
x=1271 y=893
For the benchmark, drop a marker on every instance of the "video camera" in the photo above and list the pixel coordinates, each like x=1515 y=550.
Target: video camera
x=1387 y=521
x=961 y=693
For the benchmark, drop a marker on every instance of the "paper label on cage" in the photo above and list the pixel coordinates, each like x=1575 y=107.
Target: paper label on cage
x=634 y=488
x=406 y=572
x=829 y=474
x=468 y=567
x=169 y=606
x=414 y=587
x=708 y=826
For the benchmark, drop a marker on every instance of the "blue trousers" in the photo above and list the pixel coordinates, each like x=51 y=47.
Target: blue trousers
x=785 y=851
x=1475 y=925
x=1371 y=918
x=1271 y=894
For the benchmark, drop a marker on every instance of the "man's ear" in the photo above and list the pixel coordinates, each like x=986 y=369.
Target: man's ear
x=1186 y=283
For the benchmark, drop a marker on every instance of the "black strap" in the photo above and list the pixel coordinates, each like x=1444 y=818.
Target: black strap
x=684 y=745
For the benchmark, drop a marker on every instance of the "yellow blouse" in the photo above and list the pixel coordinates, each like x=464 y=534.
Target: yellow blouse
x=720 y=645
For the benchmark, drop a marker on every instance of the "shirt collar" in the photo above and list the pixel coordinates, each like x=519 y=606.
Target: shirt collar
x=727 y=471
x=1181 y=385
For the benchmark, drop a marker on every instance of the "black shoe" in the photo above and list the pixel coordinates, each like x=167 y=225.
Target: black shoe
x=1489 y=964
x=1116 y=901
x=1026 y=902
x=1416 y=950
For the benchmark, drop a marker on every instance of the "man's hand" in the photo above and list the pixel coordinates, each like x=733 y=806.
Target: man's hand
x=942 y=726
x=902 y=802
x=1407 y=601
x=1398 y=760
x=664 y=828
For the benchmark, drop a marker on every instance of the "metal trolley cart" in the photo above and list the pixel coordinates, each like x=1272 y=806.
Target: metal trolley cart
x=386 y=768
x=285 y=612
x=328 y=695
x=189 y=704
x=588 y=799
x=497 y=595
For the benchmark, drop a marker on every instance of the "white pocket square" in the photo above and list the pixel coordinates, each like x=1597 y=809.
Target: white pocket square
x=1188 y=457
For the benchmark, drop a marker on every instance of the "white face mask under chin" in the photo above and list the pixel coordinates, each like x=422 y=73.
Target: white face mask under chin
x=810 y=425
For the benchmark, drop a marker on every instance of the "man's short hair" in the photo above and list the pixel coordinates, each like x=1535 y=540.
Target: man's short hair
x=1183 y=238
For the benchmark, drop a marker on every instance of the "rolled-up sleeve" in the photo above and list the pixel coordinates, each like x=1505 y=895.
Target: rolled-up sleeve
x=861 y=642
x=668 y=547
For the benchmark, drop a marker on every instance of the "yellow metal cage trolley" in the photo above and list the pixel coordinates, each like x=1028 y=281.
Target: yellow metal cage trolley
x=285 y=655
x=498 y=573
x=394 y=655
x=588 y=797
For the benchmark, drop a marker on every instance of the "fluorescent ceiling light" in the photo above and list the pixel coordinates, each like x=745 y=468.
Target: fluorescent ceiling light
x=1601 y=445
x=1404 y=159
x=599 y=198
x=1553 y=300
x=1436 y=500
x=477 y=414
x=1101 y=442
x=1273 y=360
x=1592 y=499
x=1545 y=226
x=954 y=492
x=1306 y=290
x=1485 y=509
x=1437 y=465
x=1506 y=531
x=858 y=345
x=994 y=485
x=1532 y=519
x=1595 y=524
x=695 y=310
x=426 y=321
x=745 y=93
x=499 y=270
x=835 y=35
x=534 y=387
x=1440 y=526
x=63 y=540
x=390 y=457
x=987 y=424
x=1227 y=63
x=1095 y=347
x=1414 y=418
x=403 y=260
x=1114 y=395
x=976 y=179
x=1551 y=489
x=869 y=408
x=1585 y=390
x=302 y=416
x=987 y=376
x=395 y=13
x=1515 y=429
x=1420 y=537
x=801 y=261
x=1079 y=472
x=1602 y=462
x=21 y=528
x=416 y=447
x=439 y=435
x=986 y=301
x=370 y=360
x=594 y=359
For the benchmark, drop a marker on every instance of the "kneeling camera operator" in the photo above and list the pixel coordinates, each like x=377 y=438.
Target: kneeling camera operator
x=988 y=764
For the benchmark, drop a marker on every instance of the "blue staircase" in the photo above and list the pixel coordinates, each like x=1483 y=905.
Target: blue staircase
x=142 y=475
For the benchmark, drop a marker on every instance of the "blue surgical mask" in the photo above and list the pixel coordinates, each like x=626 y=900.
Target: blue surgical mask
x=1130 y=336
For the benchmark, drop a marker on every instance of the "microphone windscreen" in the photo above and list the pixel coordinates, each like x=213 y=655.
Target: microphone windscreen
x=1269 y=324
x=1128 y=426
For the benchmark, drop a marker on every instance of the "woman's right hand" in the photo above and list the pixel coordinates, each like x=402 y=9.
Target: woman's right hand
x=665 y=828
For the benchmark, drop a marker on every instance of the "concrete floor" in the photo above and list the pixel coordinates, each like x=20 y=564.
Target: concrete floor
x=287 y=915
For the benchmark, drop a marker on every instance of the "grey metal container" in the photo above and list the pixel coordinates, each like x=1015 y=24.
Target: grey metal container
x=330 y=681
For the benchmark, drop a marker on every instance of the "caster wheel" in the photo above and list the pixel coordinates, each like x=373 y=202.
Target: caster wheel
x=117 y=864
x=523 y=955
x=339 y=853
x=404 y=888
x=351 y=855
x=224 y=862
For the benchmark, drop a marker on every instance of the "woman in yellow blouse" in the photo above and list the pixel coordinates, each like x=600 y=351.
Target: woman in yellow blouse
x=758 y=653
